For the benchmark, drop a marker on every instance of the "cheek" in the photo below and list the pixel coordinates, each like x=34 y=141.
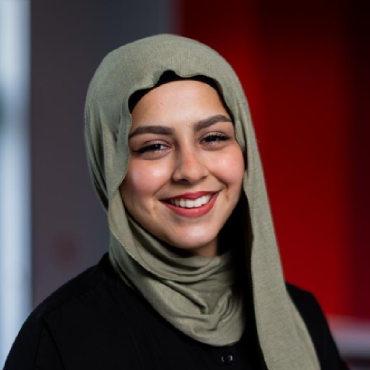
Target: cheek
x=230 y=168
x=143 y=179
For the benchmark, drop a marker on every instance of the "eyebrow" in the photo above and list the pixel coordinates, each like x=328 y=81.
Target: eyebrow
x=164 y=130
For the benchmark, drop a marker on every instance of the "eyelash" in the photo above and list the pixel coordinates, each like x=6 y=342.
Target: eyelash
x=149 y=148
x=212 y=138
x=216 y=137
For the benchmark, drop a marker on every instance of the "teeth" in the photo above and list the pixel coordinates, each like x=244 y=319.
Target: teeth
x=189 y=203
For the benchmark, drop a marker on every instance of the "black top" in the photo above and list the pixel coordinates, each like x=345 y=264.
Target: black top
x=96 y=322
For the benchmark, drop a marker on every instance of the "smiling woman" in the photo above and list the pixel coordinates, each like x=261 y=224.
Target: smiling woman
x=193 y=278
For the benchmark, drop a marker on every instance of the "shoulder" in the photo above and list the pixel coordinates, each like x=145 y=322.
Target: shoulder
x=80 y=307
x=73 y=293
x=318 y=328
x=306 y=304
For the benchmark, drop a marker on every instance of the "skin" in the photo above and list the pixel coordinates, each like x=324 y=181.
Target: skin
x=193 y=150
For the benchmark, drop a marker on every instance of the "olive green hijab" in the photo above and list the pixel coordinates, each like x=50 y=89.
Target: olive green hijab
x=197 y=295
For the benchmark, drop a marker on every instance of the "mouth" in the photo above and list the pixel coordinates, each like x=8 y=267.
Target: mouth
x=191 y=203
x=191 y=200
x=195 y=207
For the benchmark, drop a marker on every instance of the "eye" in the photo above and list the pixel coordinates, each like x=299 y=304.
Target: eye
x=157 y=147
x=215 y=138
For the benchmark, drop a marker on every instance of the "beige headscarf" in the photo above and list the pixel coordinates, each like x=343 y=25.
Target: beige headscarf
x=197 y=295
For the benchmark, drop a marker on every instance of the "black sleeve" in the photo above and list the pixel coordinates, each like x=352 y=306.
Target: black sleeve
x=34 y=349
x=318 y=328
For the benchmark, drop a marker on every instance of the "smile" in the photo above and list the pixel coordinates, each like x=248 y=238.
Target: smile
x=192 y=208
x=190 y=203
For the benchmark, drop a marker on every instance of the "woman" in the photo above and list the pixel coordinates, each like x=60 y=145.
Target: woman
x=193 y=277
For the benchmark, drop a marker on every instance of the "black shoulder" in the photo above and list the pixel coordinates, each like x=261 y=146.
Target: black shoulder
x=305 y=302
x=318 y=328
x=35 y=334
x=73 y=289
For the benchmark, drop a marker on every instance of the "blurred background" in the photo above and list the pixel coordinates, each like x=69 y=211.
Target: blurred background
x=305 y=68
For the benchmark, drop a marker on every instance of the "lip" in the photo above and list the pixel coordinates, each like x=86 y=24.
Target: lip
x=193 y=212
x=194 y=195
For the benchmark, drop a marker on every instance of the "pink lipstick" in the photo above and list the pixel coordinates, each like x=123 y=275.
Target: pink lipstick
x=196 y=211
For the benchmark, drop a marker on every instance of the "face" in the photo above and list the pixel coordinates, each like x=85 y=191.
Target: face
x=185 y=172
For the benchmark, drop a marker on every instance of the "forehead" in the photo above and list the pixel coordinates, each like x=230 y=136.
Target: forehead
x=166 y=77
x=178 y=100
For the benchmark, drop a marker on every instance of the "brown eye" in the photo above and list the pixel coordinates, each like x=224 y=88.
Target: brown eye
x=151 y=148
x=214 y=138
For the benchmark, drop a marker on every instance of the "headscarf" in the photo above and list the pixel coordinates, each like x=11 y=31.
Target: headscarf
x=197 y=295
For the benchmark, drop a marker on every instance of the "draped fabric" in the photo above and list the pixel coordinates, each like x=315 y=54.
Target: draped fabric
x=198 y=295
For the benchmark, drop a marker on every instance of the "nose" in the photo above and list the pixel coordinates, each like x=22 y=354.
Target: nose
x=189 y=167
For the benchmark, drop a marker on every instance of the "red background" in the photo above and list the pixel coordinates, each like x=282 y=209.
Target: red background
x=305 y=70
